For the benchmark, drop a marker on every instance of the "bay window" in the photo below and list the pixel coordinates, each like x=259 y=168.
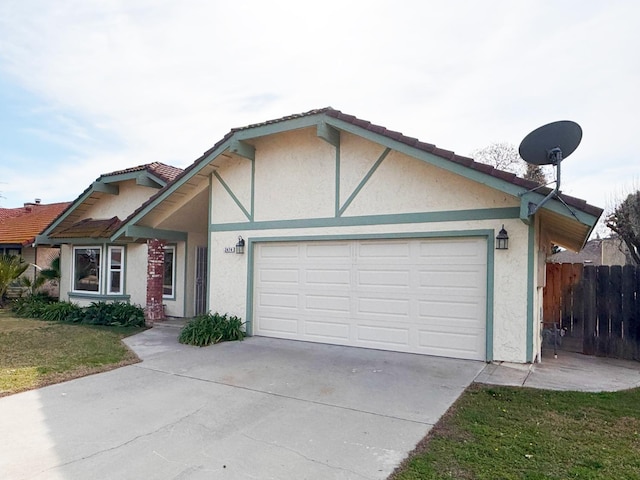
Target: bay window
x=115 y=271
x=86 y=269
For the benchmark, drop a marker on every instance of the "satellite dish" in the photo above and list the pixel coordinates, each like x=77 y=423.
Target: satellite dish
x=549 y=144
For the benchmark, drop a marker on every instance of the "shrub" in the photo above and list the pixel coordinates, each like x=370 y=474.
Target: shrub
x=62 y=312
x=98 y=313
x=113 y=314
x=206 y=329
x=31 y=306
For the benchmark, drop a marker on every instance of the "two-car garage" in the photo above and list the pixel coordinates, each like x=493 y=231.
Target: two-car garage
x=416 y=295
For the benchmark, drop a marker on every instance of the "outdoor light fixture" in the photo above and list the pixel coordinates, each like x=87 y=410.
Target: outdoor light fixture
x=502 y=240
x=240 y=246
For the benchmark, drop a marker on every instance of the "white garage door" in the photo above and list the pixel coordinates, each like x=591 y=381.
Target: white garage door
x=412 y=295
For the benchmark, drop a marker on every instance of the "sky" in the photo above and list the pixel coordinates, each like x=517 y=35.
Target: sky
x=90 y=87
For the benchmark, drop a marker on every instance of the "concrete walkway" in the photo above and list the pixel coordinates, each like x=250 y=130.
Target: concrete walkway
x=570 y=371
x=258 y=409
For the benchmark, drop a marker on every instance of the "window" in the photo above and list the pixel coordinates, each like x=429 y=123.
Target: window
x=116 y=269
x=86 y=269
x=168 y=285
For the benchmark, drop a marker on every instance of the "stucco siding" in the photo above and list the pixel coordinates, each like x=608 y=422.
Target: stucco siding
x=130 y=197
x=295 y=176
x=403 y=184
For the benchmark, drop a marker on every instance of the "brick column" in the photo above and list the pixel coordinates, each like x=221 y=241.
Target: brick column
x=155 y=275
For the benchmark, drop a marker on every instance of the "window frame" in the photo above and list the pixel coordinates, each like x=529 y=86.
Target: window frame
x=110 y=269
x=174 y=251
x=74 y=269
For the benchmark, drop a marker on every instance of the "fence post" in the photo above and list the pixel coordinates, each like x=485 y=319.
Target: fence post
x=589 y=320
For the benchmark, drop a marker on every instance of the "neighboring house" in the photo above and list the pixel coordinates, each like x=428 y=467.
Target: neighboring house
x=350 y=234
x=599 y=251
x=19 y=228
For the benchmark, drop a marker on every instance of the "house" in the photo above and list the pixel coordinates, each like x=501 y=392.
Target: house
x=326 y=228
x=598 y=251
x=19 y=228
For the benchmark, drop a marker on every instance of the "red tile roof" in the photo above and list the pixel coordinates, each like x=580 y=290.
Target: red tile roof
x=21 y=225
x=161 y=170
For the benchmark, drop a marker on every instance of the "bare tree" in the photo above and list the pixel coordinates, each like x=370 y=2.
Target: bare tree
x=505 y=156
x=625 y=221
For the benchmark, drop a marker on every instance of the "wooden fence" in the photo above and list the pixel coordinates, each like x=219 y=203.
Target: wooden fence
x=596 y=308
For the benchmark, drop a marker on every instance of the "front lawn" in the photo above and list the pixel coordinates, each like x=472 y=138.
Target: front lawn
x=34 y=353
x=519 y=433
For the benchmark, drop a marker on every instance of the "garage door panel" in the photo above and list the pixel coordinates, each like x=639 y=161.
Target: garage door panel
x=382 y=335
x=383 y=307
x=280 y=251
x=334 y=277
x=328 y=303
x=378 y=251
x=278 y=300
x=327 y=331
x=328 y=250
x=278 y=276
x=279 y=326
x=412 y=295
x=387 y=278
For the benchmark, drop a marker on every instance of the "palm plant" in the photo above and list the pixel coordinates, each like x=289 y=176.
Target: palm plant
x=11 y=267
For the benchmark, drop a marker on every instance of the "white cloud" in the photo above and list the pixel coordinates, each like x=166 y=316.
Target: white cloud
x=166 y=79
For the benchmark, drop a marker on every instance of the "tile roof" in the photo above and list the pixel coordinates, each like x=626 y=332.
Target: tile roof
x=89 y=228
x=167 y=173
x=21 y=225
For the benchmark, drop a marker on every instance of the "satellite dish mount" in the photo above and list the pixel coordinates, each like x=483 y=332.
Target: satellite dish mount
x=549 y=145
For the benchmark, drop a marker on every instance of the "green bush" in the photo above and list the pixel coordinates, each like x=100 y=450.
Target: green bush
x=206 y=329
x=113 y=314
x=31 y=306
x=62 y=312
x=98 y=313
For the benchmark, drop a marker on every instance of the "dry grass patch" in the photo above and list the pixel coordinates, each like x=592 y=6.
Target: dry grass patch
x=34 y=353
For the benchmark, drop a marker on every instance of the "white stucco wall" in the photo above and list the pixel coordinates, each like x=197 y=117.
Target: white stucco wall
x=130 y=197
x=295 y=179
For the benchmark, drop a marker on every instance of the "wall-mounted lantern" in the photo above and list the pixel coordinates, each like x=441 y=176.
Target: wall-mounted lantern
x=240 y=246
x=502 y=240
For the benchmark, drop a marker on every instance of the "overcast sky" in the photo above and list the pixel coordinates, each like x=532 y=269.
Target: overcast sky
x=89 y=87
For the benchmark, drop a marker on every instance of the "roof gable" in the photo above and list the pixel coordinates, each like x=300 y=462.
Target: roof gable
x=154 y=175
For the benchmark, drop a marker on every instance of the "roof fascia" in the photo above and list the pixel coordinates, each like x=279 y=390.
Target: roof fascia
x=554 y=206
x=279 y=127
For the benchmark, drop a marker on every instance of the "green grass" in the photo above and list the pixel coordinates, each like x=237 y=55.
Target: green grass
x=517 y=433
x=34 y=353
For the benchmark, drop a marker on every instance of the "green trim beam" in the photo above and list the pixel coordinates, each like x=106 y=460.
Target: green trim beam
x=328 y=134
x=401 y=218
x=243 y=149
x=145 y=180
x=135 y=231
x=233 y=196
x=364 y=181
x=105 y=188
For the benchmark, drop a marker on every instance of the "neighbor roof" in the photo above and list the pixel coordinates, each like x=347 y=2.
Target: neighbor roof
x=21 y=225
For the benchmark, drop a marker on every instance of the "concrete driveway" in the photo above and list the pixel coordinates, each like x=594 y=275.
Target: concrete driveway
x=257 y=409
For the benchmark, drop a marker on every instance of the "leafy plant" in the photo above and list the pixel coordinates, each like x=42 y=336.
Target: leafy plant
x=206 y=329
x=62 y=312
x=118 y=314
x=113 y=314
x=11 y=267
x=31 y=306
